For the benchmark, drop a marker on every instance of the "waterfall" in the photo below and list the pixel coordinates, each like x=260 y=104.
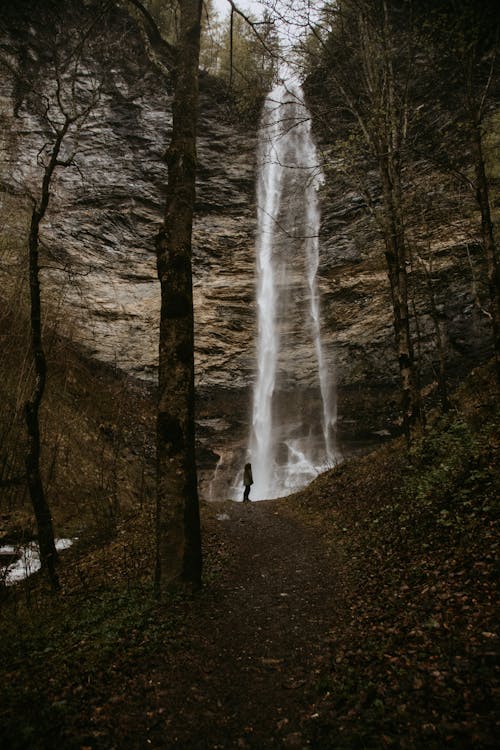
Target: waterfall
x=293 y=419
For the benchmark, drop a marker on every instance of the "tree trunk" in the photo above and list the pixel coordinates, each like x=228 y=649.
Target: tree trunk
x=482 y=194
x=441 y=375
x=48 y=554
x=178 y=539
x=395 y=254
x=390 y=140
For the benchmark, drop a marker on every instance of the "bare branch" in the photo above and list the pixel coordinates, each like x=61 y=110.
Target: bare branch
x=154 y=35
x=253 y=25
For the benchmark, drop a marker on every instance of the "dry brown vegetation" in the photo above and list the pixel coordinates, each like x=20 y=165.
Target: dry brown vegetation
x=96 y=423
x=412 y=663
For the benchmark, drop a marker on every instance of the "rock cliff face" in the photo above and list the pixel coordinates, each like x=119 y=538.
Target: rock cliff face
x=99 y=264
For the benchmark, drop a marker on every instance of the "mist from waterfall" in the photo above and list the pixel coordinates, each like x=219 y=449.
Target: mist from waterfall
x=294 y=410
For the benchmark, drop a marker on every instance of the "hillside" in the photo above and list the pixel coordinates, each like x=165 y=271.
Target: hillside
x=357 y=613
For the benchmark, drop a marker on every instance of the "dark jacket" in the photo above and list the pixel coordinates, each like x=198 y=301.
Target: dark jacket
x=247 y=476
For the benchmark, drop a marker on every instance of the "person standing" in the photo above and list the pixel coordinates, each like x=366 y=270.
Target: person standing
x=247 y=481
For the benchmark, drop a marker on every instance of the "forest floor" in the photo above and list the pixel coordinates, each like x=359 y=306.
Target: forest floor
x=251 y=641
x=358 y=613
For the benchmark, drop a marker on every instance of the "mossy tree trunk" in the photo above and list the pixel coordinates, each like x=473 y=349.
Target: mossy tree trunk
x=178 y=538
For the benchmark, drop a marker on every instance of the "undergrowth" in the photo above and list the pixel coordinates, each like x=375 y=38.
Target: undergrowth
x=61 y=655
x=413 y=664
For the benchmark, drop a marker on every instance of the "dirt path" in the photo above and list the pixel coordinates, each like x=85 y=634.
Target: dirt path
x=251 y=639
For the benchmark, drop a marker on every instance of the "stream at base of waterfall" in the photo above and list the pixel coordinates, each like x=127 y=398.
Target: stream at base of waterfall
x=292 y=435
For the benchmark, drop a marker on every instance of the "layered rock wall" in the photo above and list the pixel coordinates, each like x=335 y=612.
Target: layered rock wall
x=99 y=256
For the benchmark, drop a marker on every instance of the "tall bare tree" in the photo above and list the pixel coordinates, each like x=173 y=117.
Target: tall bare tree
x=462 y=46
x=62 y=100
x=178 y=538
x=365 y=75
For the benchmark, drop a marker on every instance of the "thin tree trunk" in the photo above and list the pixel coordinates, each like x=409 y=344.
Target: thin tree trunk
x=178 y=539
x=396 y=266
x=418 y=348
x=389 y=157
x=442 y=379
x=482 y=194
x=48 y=554
x=231 y=50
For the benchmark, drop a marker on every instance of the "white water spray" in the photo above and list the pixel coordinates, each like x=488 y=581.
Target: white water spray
x=294 y=416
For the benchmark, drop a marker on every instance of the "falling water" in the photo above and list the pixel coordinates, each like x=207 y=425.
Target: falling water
x=293 y=406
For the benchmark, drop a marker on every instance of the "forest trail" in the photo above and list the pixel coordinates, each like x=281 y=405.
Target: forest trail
x=250 y=640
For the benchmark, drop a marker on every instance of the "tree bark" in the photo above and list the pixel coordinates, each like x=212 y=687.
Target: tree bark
x=389 y=157
x=178 y=537
x=441 y=375
x=482 y=195
x=395 y=254
x=48 y=553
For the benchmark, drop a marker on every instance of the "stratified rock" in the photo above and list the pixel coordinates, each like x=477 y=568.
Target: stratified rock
x=99 y=265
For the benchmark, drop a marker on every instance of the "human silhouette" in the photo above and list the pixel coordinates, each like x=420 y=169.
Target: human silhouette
x=247 y=481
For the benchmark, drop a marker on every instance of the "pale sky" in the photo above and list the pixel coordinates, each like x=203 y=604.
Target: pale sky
x=291 y=16
x=222 y=6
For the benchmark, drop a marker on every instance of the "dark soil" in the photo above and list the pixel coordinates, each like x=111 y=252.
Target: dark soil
x=254 y=645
